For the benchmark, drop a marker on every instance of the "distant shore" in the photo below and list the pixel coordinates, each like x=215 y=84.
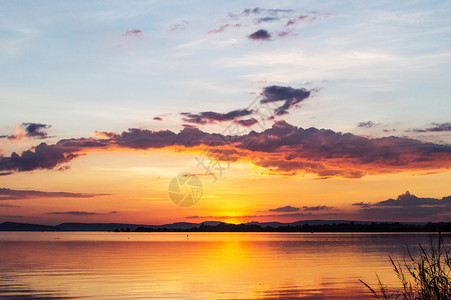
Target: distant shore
x=217 y=226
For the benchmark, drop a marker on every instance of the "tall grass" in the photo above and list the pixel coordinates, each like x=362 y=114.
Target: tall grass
x=426 y=276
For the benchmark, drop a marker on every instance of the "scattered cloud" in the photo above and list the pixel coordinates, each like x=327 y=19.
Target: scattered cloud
x=247 y=122
x=192 y=217
x=31 y=130
x=285 y=33
x=294 y=215
x=437 y=127
x=287 y=208
x=224 y=27
x=7 y=205
x=198 y=174
x=18 y=136
x=42 y=156
x=409 y=207
x=260 y=35
x=180 y=26
x=36 y=130
x=269 y=12
x=212 y=117
x=361 y=204
x=158 y=119
x=266 y=20
x=367 y=124
x=283 y=21
x=9 y=194
x=290 y=96
x=77 y=213
x=133 y=33
x=316 y=208
x=296 y=20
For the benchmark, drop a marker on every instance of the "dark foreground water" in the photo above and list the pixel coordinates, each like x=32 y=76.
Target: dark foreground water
x=72 y=265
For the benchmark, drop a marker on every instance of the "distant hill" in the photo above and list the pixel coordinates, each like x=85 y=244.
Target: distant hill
x=217 y=226
x=12 y=226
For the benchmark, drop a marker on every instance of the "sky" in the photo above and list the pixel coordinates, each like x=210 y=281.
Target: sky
x=282 y=111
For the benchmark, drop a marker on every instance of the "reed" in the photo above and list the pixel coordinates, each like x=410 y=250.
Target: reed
x=425 y=276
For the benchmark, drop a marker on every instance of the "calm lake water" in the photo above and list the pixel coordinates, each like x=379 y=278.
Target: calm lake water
x=104 y=265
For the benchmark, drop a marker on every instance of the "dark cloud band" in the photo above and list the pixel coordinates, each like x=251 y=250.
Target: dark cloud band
x=283 y=149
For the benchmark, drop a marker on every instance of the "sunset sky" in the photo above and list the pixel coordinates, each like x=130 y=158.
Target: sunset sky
x=285 y=111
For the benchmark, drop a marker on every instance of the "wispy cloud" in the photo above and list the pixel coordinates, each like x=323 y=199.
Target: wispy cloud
x=437 y=127
x=277 y=19
x=362 y=205
x=287 y=208
x=7 y=205
x=76 y=213
x=179 y=26
x=317 y=208
x=9 y=194
x=133 y=33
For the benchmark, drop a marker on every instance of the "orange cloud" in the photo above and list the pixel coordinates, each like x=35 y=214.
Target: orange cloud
x=283 y=149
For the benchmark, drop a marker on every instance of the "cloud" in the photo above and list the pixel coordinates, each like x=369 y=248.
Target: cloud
x=289 y=95
x=224 y=27
x=408 y=207
x=212 y=117
x=7 y=205
x=181 y=26
x=266 y=20
x=18 y=136
x=283 y=149
x=367 y=124
x=271 y=12
x=361 y=204
x=327 y=153
x=297 y=215
x=286 y=33
x=133 y=33
x=6 y=173
x=113 y=212
x=77 y=213
x=42 y=156
x=260 y=35
x=36 y=130
x=438 y=127
x=299 y=19
x=247 y=122
x=8 y=194
x=316 y=208
x=285 y=20
x=31 y=130
x=158 y=119
x=192 y=217
x=287 y=208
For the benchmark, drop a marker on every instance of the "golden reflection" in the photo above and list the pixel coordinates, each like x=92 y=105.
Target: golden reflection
x=197 y=265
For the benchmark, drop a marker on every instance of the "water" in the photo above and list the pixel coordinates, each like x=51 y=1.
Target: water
x=94 y=265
